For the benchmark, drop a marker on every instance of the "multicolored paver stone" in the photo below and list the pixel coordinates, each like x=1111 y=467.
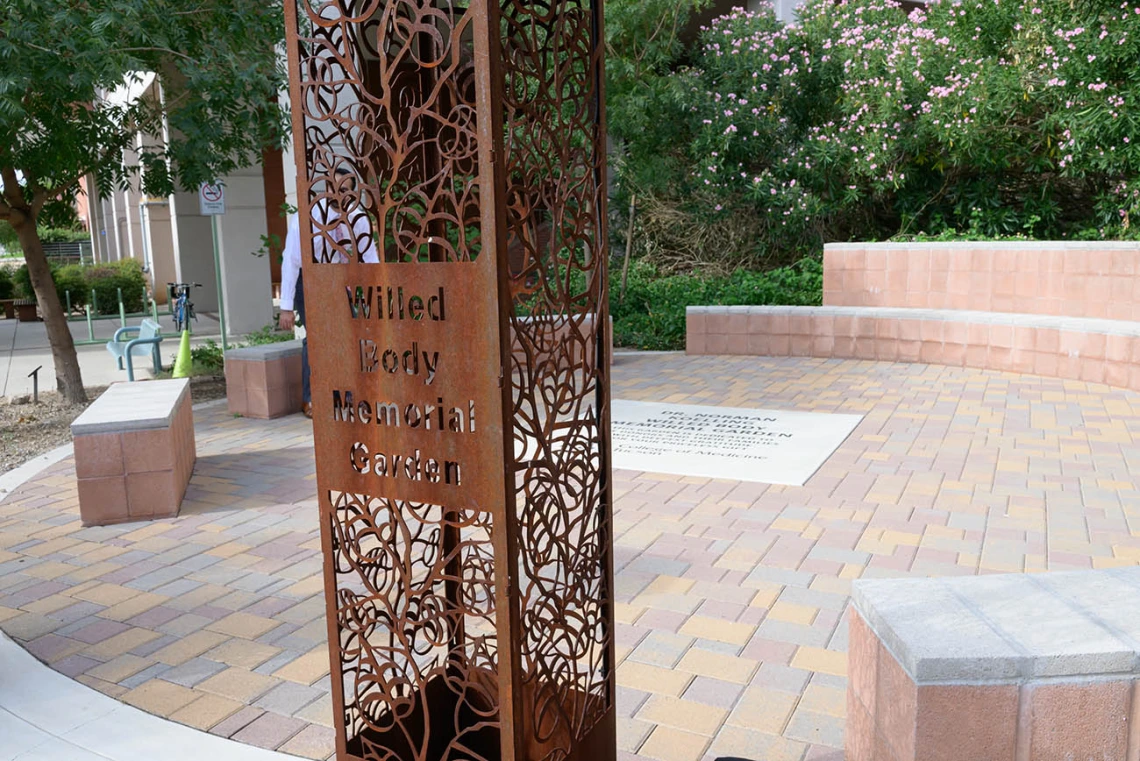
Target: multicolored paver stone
x=731 y=596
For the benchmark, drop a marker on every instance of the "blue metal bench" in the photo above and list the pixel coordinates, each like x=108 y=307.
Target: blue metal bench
x=122 y=346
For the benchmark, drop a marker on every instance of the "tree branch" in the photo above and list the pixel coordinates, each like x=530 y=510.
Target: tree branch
x=41 y=197
x=12 y=189
x=41 y=48
x=168 y=51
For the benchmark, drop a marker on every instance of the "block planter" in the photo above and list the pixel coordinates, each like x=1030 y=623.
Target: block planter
x=1016 y=667
x=134 y=452
x=264 y=381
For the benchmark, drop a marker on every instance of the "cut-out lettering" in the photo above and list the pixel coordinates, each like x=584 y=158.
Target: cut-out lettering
x=431 y=416
x=342 y=409
x=409 y=467
x=368 y=359
x=395 y=304
x=430 y=366
x=359 y=301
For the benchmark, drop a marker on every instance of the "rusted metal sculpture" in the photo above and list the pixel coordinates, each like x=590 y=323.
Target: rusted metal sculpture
x=451 y=167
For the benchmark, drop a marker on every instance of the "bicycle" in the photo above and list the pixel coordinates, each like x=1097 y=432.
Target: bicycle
x=183 y=308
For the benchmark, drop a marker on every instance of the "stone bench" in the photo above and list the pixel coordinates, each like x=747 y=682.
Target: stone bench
x=1056 y=308
x=264 y=381
x=26 y=310
x=1019 y=667
x=134 y=452
x=1087 y=349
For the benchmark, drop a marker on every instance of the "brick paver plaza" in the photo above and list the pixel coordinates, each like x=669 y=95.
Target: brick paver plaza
x=732 y=596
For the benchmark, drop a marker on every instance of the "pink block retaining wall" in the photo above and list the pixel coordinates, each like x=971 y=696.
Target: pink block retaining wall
x=1096 y=279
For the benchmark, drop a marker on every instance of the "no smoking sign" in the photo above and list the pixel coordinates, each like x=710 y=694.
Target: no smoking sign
x=211 y=199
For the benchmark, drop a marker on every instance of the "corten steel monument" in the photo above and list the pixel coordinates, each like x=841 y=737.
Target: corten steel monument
x=451 y=168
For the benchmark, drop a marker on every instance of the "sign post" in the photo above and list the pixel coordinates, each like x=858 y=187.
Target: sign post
x=453 y=250
x=212 y=203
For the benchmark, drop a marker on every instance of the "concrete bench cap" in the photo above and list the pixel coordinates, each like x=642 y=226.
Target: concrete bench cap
x=1007 y=627
x=135 y=406
x=1007 y=245
x=265 y=352
x=970 y=317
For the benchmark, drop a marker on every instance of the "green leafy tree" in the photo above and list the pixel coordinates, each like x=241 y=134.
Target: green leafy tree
x=644 y=44
x=64 y=68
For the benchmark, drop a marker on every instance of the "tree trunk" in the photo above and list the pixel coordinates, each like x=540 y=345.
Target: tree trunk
x=67 y=376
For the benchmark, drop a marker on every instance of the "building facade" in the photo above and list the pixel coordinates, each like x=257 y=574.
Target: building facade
x=174 y=243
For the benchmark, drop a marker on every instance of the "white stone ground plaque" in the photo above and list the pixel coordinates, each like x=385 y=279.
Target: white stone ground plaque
x=765 y=446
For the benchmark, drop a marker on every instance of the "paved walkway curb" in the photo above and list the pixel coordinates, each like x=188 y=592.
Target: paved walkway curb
x=17 y=477
x=44 y=716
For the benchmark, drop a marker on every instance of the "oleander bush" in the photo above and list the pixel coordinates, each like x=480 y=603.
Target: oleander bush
x=990 y=118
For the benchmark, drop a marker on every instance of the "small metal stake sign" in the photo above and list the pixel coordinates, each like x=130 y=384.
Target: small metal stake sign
x=35 y=376
x=451 y=170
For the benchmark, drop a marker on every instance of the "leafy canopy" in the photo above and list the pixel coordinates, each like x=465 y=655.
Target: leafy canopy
x=63 y=67
x=864 y=121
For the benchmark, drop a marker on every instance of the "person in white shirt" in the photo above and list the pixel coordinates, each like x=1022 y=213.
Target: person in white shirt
x=358 y=236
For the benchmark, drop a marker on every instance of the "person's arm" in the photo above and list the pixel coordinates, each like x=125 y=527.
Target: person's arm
x=290 y=267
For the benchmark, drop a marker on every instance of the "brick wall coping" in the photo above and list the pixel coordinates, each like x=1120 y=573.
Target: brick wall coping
x=1006 y=245
x=138 y=406
x=265 y=352
x=1076 y=324
x=1009 y=627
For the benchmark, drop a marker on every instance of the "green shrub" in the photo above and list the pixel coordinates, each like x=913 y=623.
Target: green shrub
x=62 y=235
x=9 y=243
x=107 y=280
x=268 y=335
x=23 y=281
x=652 y=314
x=209 y=356
x=104 y=279
x=7 y=285
x=71 y=282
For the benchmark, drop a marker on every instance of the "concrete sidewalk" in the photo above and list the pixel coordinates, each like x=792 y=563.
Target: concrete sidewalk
x=44 y=716
x=24 y=346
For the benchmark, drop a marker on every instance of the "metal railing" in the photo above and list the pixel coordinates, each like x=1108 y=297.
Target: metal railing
x=91 y=309
x=73 y=252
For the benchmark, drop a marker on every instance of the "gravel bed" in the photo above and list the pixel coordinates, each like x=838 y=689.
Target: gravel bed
x=28 y=429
